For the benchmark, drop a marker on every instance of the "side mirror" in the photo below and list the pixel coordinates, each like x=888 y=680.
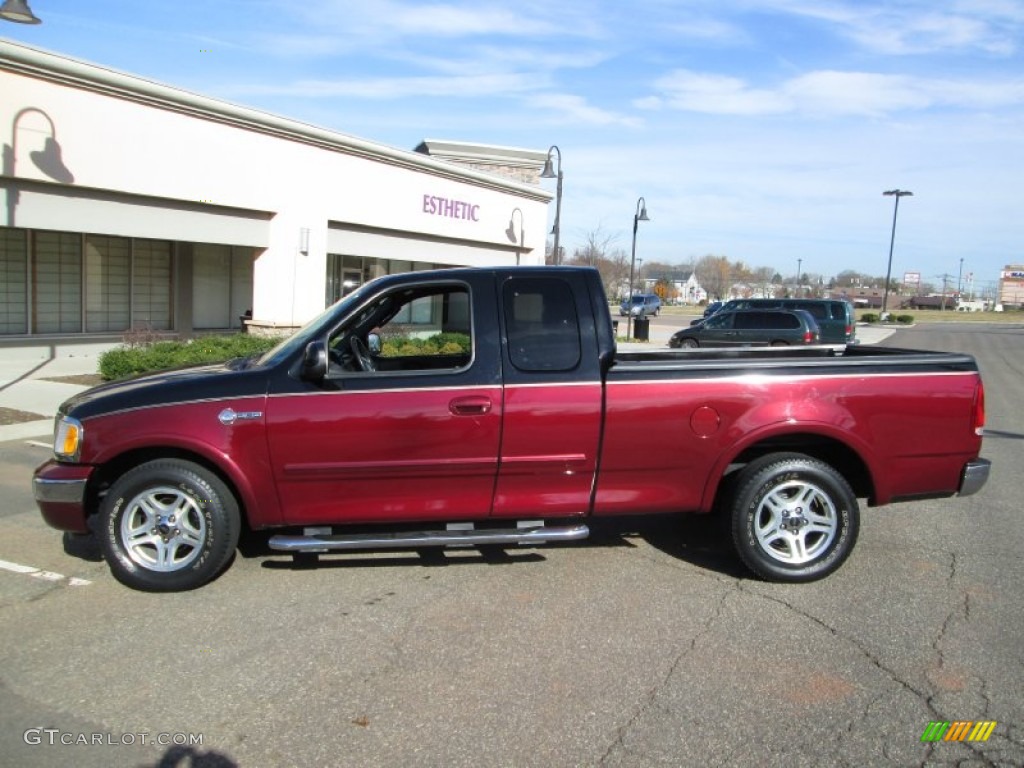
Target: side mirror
x=373 y=343
x=314 y=361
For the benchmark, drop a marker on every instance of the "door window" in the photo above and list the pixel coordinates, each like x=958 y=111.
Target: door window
x=543 y=330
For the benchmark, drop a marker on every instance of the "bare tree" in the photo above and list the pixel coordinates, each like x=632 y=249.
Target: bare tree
x=713 y=274
x=597 y=251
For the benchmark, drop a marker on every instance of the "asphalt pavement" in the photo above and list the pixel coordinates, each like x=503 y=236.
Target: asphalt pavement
x=643 y=648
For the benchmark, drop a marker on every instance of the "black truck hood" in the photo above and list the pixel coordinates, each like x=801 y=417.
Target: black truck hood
x=202 y=382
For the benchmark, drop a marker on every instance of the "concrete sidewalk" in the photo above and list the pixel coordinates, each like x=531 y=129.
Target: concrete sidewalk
x=30 y=383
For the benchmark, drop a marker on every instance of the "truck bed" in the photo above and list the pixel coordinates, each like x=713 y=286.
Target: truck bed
x=789 y=360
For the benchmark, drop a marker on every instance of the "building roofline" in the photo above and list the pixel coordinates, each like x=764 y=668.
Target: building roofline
x=34 y=62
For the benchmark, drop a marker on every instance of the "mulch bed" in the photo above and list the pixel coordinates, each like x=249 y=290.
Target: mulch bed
x=82 y=379
x=14 y=416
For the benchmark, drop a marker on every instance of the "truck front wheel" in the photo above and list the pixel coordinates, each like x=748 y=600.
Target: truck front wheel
x=168 y=525
x=794 y=518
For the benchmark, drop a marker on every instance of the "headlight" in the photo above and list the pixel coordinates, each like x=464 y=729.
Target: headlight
x=67 y=438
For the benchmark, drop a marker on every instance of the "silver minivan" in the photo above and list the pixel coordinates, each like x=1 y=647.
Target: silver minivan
x=642 y=304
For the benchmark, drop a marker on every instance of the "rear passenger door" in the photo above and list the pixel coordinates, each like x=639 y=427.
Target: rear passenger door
x=749 y=326
x=552 y=397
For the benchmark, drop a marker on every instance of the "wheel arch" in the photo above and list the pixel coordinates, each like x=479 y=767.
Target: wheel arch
x=837 y=453
x=111 y=469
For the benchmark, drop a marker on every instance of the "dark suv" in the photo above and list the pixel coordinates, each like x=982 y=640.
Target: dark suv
x=834 y=317
x=750 y=328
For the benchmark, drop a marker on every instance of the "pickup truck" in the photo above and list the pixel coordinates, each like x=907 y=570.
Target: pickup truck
x=489 y=406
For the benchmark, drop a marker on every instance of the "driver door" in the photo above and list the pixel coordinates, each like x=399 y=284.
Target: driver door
x=415 y=439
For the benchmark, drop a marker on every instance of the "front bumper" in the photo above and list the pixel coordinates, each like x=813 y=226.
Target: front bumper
x=60 y=493
x=974 y=476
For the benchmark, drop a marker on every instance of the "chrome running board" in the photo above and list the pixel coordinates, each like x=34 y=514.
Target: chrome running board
x=320 y=542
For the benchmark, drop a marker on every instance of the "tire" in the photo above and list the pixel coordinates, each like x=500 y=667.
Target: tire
x=168 y=525
x=689 y=343
x=794 y=518
x=780 y=344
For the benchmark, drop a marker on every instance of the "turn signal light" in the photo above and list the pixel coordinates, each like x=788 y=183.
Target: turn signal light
x=67 y=438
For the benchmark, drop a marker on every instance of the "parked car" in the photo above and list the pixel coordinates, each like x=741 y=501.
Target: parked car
x=834 y=317
x=713 y=307
x=750 y=328
x=642 y=304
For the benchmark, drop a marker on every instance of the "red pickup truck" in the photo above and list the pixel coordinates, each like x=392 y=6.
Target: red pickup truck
x=490 y=406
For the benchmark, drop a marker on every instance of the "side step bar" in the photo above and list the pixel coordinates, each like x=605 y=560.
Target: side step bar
x=416 y=539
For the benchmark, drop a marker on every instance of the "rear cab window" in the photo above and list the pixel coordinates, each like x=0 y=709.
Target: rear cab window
x=542 y=325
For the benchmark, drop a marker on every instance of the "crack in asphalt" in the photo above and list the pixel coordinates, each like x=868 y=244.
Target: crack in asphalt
x=925 y=697
x=621 y=732
x=961 y=608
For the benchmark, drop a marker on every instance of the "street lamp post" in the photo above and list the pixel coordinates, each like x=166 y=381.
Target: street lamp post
x=959 y=280
x=897 y=193
x=640 y=215
x=549 y=173
x=799 y=265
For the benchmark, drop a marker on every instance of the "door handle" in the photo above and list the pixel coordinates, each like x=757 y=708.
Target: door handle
x=474 y=405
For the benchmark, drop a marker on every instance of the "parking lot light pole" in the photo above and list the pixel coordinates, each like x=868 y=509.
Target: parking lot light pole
x=897 y=193
x=549 y=173
x=640 y=215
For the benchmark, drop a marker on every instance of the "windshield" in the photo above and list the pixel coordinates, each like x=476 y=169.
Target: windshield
x=315 y=327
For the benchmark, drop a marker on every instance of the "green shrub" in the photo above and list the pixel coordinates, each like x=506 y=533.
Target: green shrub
x=869 y=317
x=134 y=358
x=439 y=343
x=905 y=319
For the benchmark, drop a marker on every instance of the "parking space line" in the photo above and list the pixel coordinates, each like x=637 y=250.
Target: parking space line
x=38 y=573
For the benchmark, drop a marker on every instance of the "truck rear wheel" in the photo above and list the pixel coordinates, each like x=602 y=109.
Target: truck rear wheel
x=168 y=525
x=794 y=518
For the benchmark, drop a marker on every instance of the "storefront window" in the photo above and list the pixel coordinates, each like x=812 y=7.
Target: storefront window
x=151 y=285
x=221 y=285
x=57 y=282
x=107 y=283
x=13 y=281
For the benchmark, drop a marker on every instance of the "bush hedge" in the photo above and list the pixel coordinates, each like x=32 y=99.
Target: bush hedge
x=438 y=344
x=133 y=359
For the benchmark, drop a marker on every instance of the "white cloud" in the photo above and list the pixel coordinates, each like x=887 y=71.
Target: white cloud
x=714 y=94
x=991 y=26
x=383 y=88
x=829 y=93
x=575 y=110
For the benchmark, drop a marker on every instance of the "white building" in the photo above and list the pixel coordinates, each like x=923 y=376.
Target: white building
x=130 y=204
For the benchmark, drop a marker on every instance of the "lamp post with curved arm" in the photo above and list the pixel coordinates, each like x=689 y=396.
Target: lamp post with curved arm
x=549 y=173
x=640 y=215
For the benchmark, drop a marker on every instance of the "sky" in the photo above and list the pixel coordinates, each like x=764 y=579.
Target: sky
x=760 y=130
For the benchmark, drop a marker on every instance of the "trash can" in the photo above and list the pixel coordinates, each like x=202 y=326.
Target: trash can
x=615 y=328
x=641 y=329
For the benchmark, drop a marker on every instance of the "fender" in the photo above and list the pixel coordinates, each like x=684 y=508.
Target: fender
x=790 y=428
x=238 y=450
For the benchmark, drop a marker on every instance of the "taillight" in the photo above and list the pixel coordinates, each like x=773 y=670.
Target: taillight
x=979 y=410
x=808 y=337
x=849 y=330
